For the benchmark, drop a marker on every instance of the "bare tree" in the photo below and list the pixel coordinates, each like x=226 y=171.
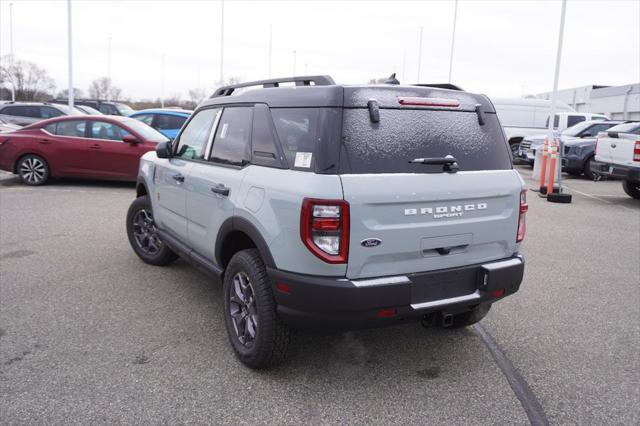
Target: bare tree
x=30 y=81
x=197 y=95
x=64 y=94
x=103 y=88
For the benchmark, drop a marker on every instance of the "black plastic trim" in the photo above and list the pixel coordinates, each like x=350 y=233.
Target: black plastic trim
x=243 y=225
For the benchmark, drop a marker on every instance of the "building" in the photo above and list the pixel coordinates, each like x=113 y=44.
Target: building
x=617 y=102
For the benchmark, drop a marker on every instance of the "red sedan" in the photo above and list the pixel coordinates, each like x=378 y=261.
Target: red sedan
x=90 y=146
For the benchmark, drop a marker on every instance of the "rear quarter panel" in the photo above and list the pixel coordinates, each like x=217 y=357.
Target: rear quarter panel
x=271 y=199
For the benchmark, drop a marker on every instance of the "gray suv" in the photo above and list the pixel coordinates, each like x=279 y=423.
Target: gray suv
x=25 y=113
x=325 y=206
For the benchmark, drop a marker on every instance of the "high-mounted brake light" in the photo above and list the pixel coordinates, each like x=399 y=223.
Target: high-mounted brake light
x=636 y=151
x=324 y=229
x=522 y=224
x=432 y=102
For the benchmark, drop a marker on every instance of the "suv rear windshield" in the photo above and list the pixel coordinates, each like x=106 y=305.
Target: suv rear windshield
x=405 y=134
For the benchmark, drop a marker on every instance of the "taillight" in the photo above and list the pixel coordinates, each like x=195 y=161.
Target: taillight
x=324 y=229
x=522 y=224
x=636 y=151
x=595 y=151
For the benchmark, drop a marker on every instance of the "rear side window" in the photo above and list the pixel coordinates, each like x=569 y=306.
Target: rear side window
x=50 y=112
x=169 y=122
x=574 y=119
x=145 y=118
x=70 y=128
x=22 y=111
x=233 y=136
x=403 y=135
x=309 y=137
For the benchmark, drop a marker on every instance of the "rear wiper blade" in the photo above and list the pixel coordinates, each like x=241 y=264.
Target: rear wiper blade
x=448 y=162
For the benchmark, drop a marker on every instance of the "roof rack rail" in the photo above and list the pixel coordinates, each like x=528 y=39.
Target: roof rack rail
x=318 y=80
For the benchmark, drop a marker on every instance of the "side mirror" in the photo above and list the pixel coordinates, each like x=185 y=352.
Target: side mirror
x=130 y=139
x=163 y=150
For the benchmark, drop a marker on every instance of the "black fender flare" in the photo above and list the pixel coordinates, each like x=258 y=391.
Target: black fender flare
x=236 y=223
x=140 y=182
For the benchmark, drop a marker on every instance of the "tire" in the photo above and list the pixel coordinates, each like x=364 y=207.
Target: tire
x=587 y=170
x=33 y=170
x=143 y=234
x=257 y=335
x=632 y=188
x=515 y=146
x=471 y=317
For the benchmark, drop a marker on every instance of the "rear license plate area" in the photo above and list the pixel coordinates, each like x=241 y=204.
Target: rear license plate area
x=443 y=285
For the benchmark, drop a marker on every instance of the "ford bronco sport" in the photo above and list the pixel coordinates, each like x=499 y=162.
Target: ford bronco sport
x=323 y=206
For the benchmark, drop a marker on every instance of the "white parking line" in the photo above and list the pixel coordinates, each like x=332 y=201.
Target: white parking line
x=598 y=197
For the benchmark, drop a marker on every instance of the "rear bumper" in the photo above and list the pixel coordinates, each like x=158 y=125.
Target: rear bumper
x=616 y=170
x=337 y=303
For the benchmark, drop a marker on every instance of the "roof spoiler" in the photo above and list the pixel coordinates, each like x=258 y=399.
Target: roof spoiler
x=441 y=86
x=317 y=80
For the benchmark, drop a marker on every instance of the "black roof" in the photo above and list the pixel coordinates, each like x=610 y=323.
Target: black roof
x=325 y=93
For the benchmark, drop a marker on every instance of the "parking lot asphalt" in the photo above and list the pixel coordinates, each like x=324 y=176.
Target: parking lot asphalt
x=88 y=333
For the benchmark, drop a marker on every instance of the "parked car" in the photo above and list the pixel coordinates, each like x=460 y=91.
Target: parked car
x=89 y=146
x=8 y=127
x=167 y=121
x=522 y=118
x=336 y=207
x=105 y=107
x=25 y=113
x=618 y=155
x=579 y=143
x=88 y=110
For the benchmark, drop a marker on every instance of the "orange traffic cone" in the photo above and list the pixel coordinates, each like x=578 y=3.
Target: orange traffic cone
x=543 y=168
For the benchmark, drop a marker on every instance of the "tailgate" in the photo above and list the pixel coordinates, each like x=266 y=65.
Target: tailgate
x=405 y=223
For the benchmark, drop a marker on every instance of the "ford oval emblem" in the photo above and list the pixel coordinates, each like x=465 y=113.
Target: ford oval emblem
x=370 y=242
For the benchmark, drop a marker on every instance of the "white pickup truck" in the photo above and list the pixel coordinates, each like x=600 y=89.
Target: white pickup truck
x=523 y=118
x=618 y=155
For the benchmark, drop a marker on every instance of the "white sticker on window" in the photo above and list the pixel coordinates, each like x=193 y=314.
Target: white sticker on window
x=303 y=159
x=225 y=129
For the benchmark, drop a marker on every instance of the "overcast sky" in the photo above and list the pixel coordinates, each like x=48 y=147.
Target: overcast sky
x=502 y=48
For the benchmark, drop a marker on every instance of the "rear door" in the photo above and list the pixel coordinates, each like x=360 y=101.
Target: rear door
x=413 y=217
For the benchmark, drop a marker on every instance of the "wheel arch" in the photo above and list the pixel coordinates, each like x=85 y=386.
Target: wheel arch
x=141 y=188
x=235 y=234
x=24 y=154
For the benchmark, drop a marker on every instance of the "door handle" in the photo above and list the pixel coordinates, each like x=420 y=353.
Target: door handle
x=95 y=146
x=178 y=178
x=221 y=190
x=45 y=141
x=613 y=145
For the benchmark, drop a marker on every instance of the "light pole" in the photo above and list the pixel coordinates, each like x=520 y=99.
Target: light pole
x=70 y=53
x=453 y=38
x=109 y=66
x=270 y=46
x=560 y=196
x=294 y=62
x=11 y=30
x=162 y=83
x=419 y=54
x=222 y=43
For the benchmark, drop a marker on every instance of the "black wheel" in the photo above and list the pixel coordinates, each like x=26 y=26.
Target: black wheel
x=587 y=170
x=632 y=188
x=33 y=170
x=143 y=234
x=258 y=336
x=471 y=317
